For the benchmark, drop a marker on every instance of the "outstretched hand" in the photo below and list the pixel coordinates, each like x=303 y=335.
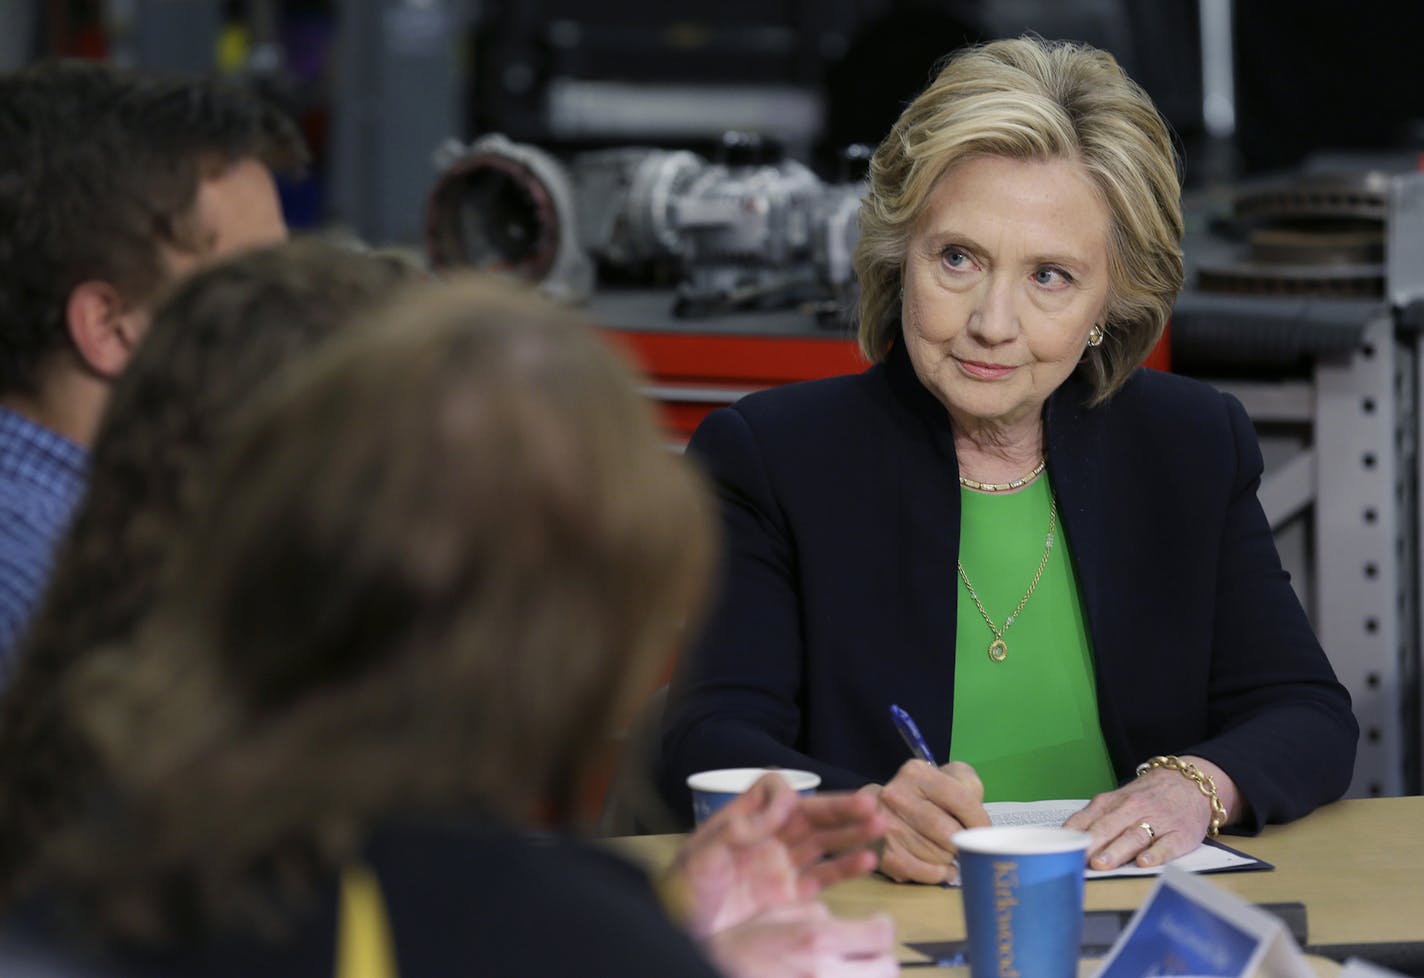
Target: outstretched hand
x=806 y=941
x=768 y=849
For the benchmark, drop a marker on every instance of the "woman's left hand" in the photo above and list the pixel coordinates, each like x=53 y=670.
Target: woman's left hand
x=1176 y=810
x=771 y=848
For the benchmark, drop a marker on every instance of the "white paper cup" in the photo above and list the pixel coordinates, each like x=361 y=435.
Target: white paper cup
x=713 y=789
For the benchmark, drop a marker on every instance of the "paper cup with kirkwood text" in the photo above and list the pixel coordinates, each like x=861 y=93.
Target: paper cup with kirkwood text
x=1023 y=900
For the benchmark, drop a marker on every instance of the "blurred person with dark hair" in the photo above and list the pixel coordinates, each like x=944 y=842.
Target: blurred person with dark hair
x=112 y=183
x=216 y=339
x=436 y=563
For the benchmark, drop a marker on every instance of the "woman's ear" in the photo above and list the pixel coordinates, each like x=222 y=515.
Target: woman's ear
x=104 y=328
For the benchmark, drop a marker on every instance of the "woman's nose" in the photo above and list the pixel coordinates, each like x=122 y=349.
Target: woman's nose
x=995 y=316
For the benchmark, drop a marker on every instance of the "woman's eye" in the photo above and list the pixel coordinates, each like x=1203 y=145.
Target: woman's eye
x=1051 y=277
x=956 y=258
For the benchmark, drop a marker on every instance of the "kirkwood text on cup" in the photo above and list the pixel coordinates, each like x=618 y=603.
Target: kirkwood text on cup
x=1006 y=880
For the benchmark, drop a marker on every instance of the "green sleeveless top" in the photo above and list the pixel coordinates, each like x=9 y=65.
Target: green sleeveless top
x=1029 y=724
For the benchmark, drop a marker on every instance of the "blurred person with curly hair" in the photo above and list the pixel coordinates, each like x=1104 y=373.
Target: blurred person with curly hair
x=429 y=572
x=214 y=342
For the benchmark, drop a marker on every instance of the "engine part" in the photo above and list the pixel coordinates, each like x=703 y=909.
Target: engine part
x=625 y=200
x=1314 y=236
x=760 y=231
x=751 y=231
x=507 y=207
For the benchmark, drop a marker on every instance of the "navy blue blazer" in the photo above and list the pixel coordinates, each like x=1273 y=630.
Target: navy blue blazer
x=837 y=595
x=461 y=899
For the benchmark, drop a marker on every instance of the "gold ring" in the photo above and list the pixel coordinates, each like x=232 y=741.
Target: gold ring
x=1147 y=827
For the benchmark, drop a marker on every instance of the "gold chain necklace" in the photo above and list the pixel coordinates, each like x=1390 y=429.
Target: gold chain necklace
x=1005 y=486
x=998 y=649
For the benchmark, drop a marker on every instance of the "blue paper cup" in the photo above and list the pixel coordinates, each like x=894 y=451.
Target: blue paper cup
x=711 y=790
x=1023 y=900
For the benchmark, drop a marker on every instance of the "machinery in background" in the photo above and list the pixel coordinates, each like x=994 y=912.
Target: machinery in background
x=752 y=230
x=1307 y=304
x=1317 y=235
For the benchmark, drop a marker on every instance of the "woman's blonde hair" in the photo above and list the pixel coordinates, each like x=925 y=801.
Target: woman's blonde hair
x=432 y=571
x=1030 y=99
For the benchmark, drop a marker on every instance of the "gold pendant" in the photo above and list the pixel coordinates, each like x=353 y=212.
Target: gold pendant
x=998 y=651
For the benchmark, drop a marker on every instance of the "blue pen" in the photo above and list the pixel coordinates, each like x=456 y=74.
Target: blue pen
x=916 y=742
x=911 y=733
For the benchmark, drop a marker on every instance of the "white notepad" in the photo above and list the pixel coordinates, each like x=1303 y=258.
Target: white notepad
x=1209 y=857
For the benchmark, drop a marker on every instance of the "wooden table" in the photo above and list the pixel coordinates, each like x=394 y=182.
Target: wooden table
x=1358 y=866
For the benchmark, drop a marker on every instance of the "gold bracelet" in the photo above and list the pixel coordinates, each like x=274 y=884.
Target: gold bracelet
x=1194 y=774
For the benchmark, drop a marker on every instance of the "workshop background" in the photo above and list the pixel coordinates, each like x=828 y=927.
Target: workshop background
x=689 y=172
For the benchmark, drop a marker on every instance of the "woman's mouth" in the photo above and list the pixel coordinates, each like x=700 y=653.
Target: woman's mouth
x=985 y=371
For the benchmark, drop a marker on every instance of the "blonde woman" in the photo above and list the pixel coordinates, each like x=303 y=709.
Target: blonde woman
x=1053 y=560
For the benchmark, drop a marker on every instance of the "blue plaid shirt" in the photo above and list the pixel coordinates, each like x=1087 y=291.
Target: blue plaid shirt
x=41 y=479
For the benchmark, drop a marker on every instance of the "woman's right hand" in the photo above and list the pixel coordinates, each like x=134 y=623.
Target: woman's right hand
x=925 y=805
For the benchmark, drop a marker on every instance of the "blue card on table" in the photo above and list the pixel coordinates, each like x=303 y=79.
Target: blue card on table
x=1190 y=927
